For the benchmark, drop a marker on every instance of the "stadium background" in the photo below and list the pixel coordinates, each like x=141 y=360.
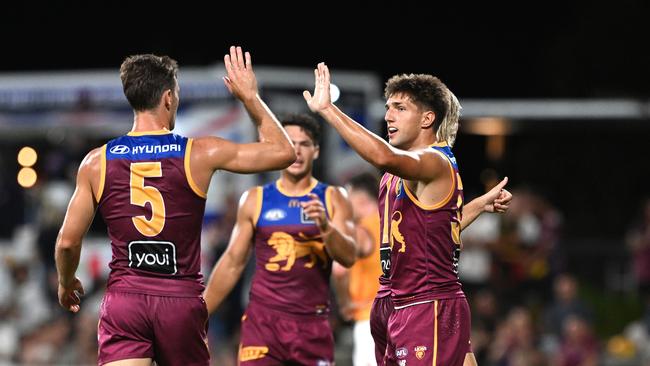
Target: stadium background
x=571 y=79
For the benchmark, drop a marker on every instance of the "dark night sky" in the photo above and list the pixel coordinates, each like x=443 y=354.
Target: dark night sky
x=574 y=49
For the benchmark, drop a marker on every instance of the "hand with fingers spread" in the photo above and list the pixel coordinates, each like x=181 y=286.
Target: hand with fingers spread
x=315 y=210
x=321 y=99
x=240 y=81
x=69 y=295
x=498 y=199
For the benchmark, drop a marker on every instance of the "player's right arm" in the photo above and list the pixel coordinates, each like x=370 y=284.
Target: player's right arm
x=273 y=151
x=423 y=165
x=228 y=269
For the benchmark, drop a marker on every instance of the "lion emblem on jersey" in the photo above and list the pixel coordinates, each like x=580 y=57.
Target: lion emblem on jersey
x=288 y=249
x=395 y=235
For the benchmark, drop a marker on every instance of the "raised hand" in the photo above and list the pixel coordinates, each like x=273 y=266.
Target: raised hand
x=321 y=99
x=498 y=199
x=315 y=210
x=240 y=81
x=69 y=295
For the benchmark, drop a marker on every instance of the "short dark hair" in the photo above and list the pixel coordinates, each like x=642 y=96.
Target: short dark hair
x=306 y=122
x=145 y=78
x=366 y=182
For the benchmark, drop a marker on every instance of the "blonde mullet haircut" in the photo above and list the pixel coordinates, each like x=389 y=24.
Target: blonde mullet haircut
x=449 y=126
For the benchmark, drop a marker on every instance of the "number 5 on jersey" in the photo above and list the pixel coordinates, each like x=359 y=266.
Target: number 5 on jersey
x=141 y=195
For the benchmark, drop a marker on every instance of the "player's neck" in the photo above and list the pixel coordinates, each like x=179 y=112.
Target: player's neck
x=422 y=142
x=149 y=121
x=293 y=185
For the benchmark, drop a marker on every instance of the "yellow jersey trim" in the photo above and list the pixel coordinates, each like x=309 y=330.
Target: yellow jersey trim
x=188 y=172
x=258 y=205
x=435 y=332
x=329 y=205
x=313 y=184
x=445 y=200
x=384 y=237
x=145 y=133
x=102 y=173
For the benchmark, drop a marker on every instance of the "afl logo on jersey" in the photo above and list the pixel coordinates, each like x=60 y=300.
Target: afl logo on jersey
x=120 y=149
x=275 y=215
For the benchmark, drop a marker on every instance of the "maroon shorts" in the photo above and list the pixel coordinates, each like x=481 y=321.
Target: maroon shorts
x=434 y=333
x=270 y=337
x=169 y=330
x=381 y=309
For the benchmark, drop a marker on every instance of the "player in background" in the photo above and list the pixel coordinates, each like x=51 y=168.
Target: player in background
x=297 y=226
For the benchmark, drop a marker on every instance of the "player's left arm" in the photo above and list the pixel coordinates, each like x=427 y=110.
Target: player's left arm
x=341 y=285
x=338 y=230
x=78 y=218
x=496 y=200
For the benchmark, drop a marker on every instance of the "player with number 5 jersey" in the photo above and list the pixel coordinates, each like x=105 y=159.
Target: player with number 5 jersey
x=150 y=187
x=153 y=211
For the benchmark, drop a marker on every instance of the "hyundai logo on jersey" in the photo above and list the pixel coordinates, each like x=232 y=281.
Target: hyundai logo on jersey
x=120 y=149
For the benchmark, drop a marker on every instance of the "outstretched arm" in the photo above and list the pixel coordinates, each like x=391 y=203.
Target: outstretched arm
x=496 y=200
x=78 y=218
x=421 y=165
x=228 y=269
x=337 y=232
x=274 y=150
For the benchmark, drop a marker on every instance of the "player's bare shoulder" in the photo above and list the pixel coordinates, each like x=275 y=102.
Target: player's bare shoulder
x=91 y=166
x=250 y=202
x=338 y=200
x=208 y=146
x=435 y=162
x=92 y=161
x=338 y=192
x=435 y=155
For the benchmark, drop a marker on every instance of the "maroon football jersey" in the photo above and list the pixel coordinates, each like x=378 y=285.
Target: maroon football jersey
x=153 y=211
x=384 y=247
x=293 y=267
x=423 y=240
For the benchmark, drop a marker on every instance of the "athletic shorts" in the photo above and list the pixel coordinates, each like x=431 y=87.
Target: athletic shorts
x=381 y=309
x=271 y=337
x=169 y=330
x=434 y=333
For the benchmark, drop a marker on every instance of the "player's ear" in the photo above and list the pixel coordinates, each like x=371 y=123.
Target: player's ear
x=428 y=118
x=168 y=99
